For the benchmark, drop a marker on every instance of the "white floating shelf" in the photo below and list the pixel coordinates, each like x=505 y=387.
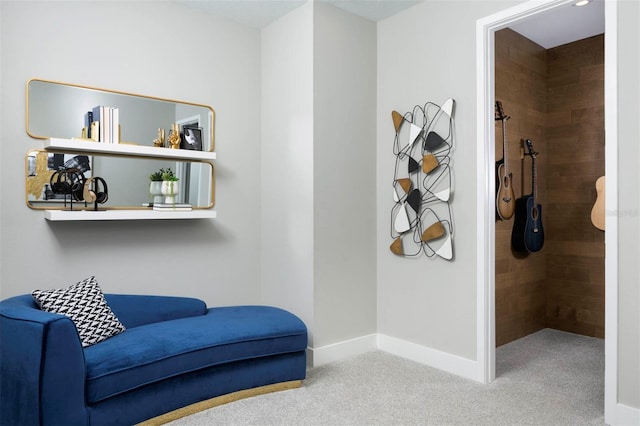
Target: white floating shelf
x=145 y=214
x=53 y=144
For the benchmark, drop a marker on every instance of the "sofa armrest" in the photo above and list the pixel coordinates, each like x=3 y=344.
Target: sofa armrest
x=134 y=310
x=42 y=366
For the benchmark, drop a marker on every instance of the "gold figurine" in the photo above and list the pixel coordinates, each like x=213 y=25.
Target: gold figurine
x=174 y=136
x=159 y=141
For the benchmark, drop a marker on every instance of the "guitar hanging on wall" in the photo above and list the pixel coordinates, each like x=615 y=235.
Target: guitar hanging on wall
x=504 y=190
x=528 y=234
x=597 y=212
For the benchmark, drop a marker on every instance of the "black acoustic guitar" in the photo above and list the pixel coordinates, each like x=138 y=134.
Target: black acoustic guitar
x=527 y=235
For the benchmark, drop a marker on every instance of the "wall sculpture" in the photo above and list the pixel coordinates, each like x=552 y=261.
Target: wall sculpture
x=421 y=217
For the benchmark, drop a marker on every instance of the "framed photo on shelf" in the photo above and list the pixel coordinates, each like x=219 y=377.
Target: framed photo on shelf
x=192 y=138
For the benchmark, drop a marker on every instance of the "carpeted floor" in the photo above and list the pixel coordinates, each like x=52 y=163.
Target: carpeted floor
x=547 y=378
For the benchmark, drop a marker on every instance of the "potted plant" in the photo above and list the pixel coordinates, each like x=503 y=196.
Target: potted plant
x=169 y=185
x=155 y=187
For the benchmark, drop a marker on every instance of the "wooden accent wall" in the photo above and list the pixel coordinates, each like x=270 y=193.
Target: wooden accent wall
x=575 y=146
x=555 y=98
x=520 y=76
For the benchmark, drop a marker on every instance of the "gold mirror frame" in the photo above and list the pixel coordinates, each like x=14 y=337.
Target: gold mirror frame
x=210 y=119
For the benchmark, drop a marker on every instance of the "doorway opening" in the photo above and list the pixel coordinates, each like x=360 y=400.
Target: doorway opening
x=486 y=248
x=552 y=98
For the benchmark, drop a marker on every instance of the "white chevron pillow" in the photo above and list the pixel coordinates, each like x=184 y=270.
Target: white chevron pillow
x=85 y=304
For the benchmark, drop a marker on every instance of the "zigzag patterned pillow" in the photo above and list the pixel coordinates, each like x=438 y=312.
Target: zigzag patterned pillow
x=85 y=304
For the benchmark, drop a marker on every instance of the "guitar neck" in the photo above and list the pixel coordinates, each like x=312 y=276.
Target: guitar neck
x=504 y=146
x=499 y=115
x=533 y=180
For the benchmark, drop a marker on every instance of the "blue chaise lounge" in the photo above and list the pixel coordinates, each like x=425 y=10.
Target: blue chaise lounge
x=175 y=352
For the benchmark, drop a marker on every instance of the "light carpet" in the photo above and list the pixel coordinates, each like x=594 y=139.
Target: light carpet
x=547 y=378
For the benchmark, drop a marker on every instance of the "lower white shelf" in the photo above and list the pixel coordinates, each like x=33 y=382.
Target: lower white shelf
x=68 y=215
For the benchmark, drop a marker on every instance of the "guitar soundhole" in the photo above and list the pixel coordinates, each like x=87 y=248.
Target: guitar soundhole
x=534 y=218
x=534 y=213
x=506 y=189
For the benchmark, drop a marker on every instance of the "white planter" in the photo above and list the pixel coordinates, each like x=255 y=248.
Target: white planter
x=155 y=190
x=170 y=190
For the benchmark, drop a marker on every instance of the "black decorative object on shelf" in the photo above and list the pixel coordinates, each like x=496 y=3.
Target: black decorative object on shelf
x=68 y=182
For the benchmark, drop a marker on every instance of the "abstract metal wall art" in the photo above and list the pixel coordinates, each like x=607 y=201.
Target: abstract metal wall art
x=421 y=217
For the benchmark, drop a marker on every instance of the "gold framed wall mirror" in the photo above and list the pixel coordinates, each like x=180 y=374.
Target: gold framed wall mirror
x=57 y=110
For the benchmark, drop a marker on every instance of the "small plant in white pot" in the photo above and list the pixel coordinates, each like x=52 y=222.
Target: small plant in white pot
x=170 y=187
x=155 y=187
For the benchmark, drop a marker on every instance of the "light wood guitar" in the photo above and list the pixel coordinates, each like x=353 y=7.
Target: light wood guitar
x=597 y=212
x=505 y=205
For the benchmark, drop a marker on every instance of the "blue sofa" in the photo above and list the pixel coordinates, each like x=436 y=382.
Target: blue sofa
x=175 y=352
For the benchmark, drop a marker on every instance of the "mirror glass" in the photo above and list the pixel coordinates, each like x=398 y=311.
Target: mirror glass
x=127 y=179
x=57 y=110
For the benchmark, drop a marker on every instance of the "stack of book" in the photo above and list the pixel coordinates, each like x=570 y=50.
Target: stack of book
x=169 y=207
x=103 y=124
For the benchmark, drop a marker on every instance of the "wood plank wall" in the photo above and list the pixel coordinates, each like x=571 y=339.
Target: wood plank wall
x=520 y=78
x=575 y=145
x=556 y=99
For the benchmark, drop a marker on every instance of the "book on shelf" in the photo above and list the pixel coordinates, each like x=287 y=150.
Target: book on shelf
x=172 y=209
x=108 y=124
x=171 y=206
x=115 y=125
x=88 y=121
x=165 y=205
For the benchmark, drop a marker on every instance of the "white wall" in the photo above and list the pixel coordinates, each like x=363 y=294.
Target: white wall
x=318 y=170
x=427 y=54
x=286 y=178
x=629 y=205
x=344 y=158
x=154 y=49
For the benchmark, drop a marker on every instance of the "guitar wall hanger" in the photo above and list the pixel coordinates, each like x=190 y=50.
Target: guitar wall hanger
x=523 y=153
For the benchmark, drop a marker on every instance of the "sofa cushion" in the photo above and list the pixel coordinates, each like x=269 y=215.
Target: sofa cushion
x=134 y=310
x=157 y=351
x=85 y=304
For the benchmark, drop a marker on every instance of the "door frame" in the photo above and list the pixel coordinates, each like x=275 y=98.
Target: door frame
x=485 y=74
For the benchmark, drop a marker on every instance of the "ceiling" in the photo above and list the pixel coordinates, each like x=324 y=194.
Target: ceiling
x=564 y=24
x=260 y=13
x=374 y=10
x=254 y=13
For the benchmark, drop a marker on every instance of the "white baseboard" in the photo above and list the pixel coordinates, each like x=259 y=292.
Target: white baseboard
x=627 y=416
x=433 y=358
x=341 y=350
